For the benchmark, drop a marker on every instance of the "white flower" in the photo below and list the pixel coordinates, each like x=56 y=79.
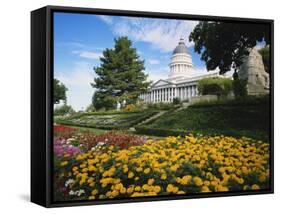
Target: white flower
x=69 y=182
x=80 y=192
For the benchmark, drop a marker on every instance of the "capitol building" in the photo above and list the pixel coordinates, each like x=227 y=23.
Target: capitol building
x=182 y=81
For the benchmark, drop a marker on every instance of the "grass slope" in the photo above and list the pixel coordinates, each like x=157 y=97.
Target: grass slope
x=244 y=119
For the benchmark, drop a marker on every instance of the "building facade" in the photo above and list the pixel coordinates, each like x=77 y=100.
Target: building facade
x=182 y=81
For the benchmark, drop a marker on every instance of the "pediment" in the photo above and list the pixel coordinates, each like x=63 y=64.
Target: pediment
x=161 y=83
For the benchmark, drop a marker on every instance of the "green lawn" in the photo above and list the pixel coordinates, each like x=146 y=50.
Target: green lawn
x=91 y=130
x=251 y=119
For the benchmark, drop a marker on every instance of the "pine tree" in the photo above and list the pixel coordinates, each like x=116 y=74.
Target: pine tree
x=59 y=92
x=120 y=75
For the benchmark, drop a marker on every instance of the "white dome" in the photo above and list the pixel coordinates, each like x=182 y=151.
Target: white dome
x=181 y=62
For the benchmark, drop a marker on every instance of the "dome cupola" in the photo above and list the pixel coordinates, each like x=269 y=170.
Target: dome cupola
x=181 y=62
x=181 y=48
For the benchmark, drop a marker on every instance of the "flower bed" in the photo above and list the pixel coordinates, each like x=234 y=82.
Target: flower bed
x=117 y=139
x=63 y=131
x=122 y=120
x=182 y=165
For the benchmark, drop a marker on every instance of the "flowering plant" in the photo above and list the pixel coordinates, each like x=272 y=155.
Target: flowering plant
x=173 y=165
x=117 y=139
x=64 y=147
x=64 y=131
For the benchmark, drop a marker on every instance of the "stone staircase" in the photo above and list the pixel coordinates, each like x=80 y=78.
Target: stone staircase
x=185 y=105
x=147 y=120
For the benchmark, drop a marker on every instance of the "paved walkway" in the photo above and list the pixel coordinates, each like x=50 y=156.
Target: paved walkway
x=185 y=105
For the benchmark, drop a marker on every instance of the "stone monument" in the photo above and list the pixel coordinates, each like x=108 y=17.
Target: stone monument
x=253 y=71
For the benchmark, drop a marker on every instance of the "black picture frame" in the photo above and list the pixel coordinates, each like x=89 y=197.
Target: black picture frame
x=42 y=107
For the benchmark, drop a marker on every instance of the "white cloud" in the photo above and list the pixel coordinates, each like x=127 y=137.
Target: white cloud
x=107 y=19
x=162 y=34
x=78 y=81
x=157 y=74
x=153 y=61
x=88 y=54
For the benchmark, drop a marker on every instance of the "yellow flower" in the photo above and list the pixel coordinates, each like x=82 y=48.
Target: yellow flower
x=91 y=168
x=94 y=192
x=150 y=181
x=255 y=187
x=174 y=168
x=137 y=188
x=130 y=189
x=83 y=165
x=146 y=171
x=75 y=168
x=186 y=179
x=131 y=175
x=63 y=163
x=123 y=190
x=145 y=187
x=222 y=188
x=205 y=189
x=125 y=169
x=119 y=186
x=170 y=188
x=222 y=170
x=163 y=176
x=157 y=189
x=198 y=181
x=181 y=192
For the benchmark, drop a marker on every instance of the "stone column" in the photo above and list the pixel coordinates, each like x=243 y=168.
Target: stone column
x=192 y=91
x=169 y=94
x=157 y=95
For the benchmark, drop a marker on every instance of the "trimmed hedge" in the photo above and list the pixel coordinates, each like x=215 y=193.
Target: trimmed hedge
x=159 y=132
x=247 y=101
x=173 y=132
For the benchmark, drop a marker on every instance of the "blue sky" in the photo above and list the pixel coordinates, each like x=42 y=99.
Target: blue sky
x=79 y=40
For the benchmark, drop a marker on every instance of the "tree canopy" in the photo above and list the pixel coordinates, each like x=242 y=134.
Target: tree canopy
x=120 y=75
x=59 y=92
x=224 y=44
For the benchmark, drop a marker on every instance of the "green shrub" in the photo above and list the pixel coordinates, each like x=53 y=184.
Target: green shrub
x=161 y=106
x=176 y=101
x=239 y=88
x=215 y=86
x=63 y=110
